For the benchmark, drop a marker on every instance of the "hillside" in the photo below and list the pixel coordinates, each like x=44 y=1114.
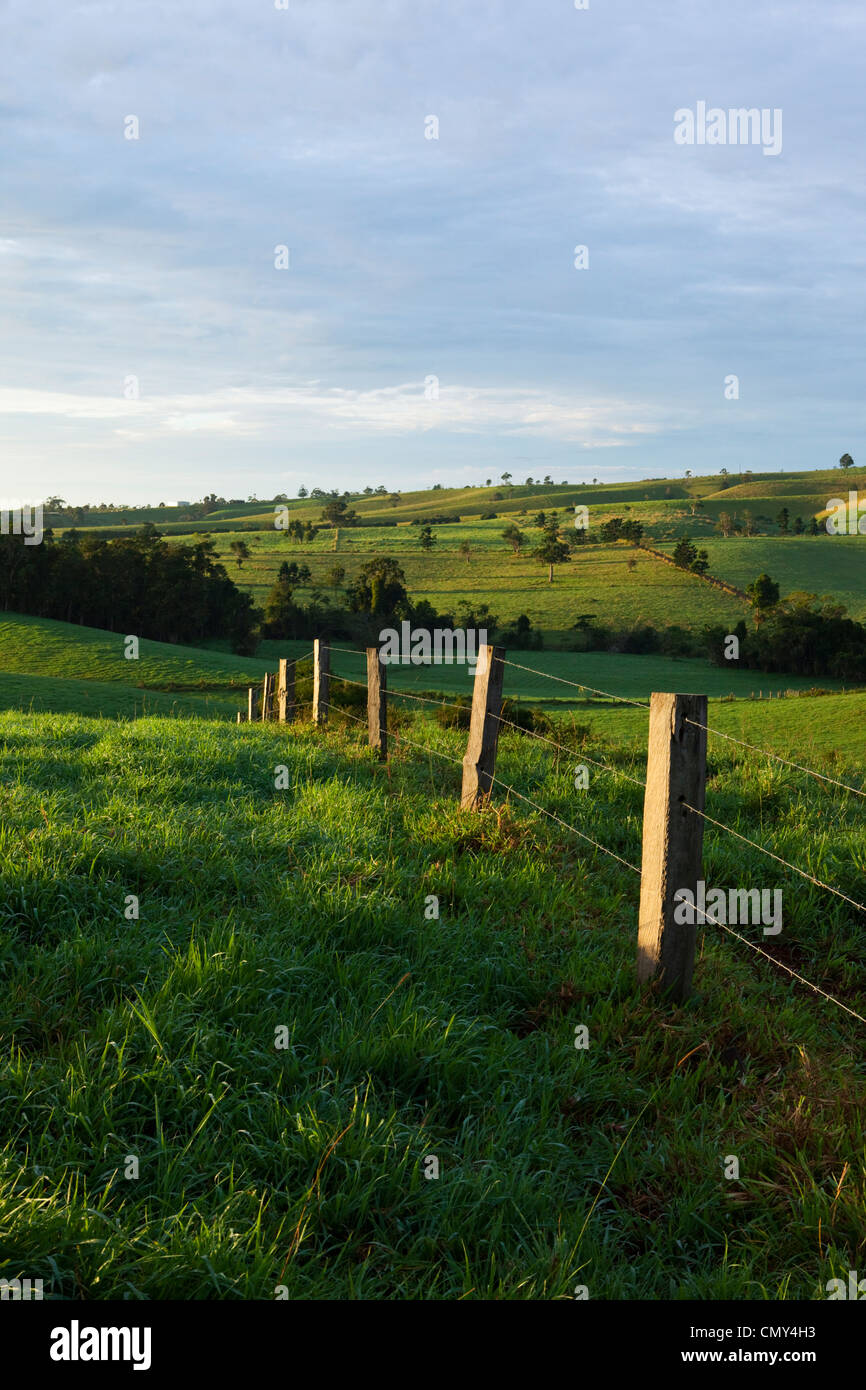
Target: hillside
x=282 y=1019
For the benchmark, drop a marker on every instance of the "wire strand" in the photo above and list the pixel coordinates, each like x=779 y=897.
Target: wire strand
x=793 y=973
x=530 y=733
x=770 y=855
x=578 y=685
x=779 y=759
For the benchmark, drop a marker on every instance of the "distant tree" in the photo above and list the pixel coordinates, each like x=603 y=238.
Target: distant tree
x=529 y=482
x=685 y=553
x=515 y=537
x=701 y=563
x=302 y=491
x=465 y=549
x=488 y=483
x=814 y=528
x=782 y=521
x=540 y=520
x=750 y=526
x=552 y=551
x=799 y=526
x=763 y=593
x=688 y=472
x=241 y=552
x=846 y=462
x=335 y=576
x=506 y=477
x=379 y=588
x=426 y=538
x=337 y=511
x=725 y=524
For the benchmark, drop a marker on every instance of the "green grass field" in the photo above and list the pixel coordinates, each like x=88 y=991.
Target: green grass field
x=817 y=564
x=42 y=646
x=157 y=1143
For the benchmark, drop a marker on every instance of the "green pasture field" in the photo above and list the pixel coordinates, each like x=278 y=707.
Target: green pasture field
x=300 y=916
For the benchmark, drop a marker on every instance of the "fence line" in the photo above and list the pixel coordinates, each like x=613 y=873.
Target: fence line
x=669 y=953
x=708 y=918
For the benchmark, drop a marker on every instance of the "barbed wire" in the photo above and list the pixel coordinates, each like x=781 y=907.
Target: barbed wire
x=816 y=989
x=779 y=759
x=578 y=685
x=770 y=855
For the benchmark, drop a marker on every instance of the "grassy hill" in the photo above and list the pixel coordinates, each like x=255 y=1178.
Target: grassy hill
x=303 y=910
x=42 y=646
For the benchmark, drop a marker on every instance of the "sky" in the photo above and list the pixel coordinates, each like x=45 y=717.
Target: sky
x=430 y=169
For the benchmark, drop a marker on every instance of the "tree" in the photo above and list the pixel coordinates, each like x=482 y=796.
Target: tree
x=814 y=528
x=782 y=521
x=335 y=576
x=489 y=481
x=725 y=523
x=514 y=536
x=685 y=553
x=338 y=512
x=506 y=477
x=379 y=588
x=540 y=520
x=465 y=549
x=302 y=491
x=749 y=524
x=763 y=593
x=241 y=552
x=426 y=538
x=799 y=526
x=552 y=551
x=846 y=462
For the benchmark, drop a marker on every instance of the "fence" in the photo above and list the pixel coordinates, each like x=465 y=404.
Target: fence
x=674 y=811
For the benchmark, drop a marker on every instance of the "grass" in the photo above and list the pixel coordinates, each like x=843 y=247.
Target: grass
x=304 y=908
x=43 y=646
x=596 y=581
x=817 y=564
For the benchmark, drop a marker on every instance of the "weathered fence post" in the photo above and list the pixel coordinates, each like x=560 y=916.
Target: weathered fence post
x=239 y=716
x=479 y=762
x=377 y=702
x=252 y=703
x=286 y=691
x=321 y=680
x=267 y=695
x=672 y=839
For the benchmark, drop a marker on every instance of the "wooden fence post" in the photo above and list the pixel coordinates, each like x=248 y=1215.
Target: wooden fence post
x=252 y=703
x=377 y=702
x=321 y=680
x=672 y=839
x=267 y=695
x=479 y=762
x=286 y=691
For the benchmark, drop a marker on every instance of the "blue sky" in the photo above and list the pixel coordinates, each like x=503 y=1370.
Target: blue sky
x=414 y=258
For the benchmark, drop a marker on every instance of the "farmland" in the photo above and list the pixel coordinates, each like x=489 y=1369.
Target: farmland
x=234 y=1036
x=154 y=1038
